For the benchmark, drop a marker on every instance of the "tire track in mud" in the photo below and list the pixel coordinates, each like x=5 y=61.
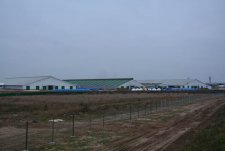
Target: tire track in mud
x=161 y=138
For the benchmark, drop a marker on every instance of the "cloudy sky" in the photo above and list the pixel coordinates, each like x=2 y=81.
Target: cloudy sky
x=147 y=39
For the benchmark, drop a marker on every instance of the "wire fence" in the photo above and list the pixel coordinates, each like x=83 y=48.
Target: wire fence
x=35 y=135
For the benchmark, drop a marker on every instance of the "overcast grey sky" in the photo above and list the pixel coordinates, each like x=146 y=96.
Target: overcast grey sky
x=144 y=39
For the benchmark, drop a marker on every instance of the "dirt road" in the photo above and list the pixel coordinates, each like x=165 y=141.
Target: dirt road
x=161 y=137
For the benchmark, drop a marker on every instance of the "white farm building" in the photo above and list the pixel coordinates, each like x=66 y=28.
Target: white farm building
x=175 y=84
x=35 y=83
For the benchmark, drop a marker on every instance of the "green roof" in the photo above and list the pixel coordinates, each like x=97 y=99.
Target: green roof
x=99 y=83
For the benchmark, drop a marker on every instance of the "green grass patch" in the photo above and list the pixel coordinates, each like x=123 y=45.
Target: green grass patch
x=212 y=138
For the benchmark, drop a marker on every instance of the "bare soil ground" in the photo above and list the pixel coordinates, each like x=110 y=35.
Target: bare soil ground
x=161 y=137
x=154 y=131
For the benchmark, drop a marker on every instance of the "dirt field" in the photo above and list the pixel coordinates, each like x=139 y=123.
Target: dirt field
x=103 y=122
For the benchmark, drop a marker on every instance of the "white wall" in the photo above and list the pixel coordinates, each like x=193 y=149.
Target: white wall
x=194 y=83
x=131 y=83
x=13 y=87
x=197 y=83
x=52 y=82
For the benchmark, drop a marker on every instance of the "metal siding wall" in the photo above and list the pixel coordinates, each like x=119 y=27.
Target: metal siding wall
x=196 y=83
x=13 y=87
x=51 y=81
x=131 y=83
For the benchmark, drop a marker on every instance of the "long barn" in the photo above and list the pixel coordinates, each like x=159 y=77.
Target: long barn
x=106 y=84
x=35 y=83
x=178 y=84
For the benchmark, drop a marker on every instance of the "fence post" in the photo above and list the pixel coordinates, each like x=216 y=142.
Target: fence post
x=90 y=122
x=130 y=113
x=26 y=141
x=53 y=127
x=73 y=126
x=169 y=104
x=150 y=108
x=166 y=104
x=145 y=109
x=115 y=114
x=103 y=119
x=161 y=105
x=189 y=98
x=138 y=110
x=172 y=104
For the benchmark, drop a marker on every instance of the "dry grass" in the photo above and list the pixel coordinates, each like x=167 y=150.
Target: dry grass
x=47 y=106
x=74 y=101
